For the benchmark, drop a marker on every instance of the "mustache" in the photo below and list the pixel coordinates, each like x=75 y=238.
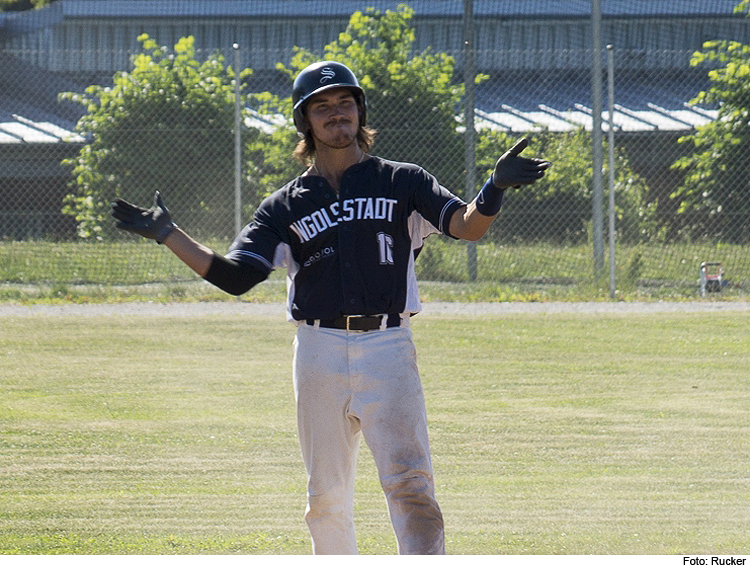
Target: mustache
x=336 y=121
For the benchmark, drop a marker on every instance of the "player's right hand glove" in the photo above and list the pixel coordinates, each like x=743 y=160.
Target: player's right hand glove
x=512 y=170
x=154 y=223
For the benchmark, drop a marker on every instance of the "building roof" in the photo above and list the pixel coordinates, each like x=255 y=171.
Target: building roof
x=542 y=8
x=26 y=131
x=30 y=111
x=652 y=118
x=511 y=103
x=519 y=103
x=72 y=9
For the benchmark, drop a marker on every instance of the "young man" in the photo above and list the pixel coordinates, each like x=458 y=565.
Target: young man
x=347 y=231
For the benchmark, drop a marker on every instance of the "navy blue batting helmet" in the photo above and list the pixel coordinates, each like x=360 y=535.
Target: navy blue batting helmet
x=319 y=77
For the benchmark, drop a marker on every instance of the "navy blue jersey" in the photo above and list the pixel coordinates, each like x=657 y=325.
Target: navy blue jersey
x=350 y=252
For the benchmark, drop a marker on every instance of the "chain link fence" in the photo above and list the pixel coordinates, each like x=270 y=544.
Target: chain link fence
x=215 y=137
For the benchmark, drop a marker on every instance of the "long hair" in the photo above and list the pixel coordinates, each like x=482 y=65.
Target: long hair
x=305 y=150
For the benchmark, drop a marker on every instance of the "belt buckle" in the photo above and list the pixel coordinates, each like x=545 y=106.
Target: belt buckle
x=352 y=317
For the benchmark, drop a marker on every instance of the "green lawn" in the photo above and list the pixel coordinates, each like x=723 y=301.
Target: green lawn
x=133 y=269
x=551 y=434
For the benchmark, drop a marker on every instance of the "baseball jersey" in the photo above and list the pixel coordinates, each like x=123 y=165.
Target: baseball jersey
x=351 y=252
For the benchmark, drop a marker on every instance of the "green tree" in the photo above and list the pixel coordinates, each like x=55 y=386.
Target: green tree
x=413 y=101
x=558 y=208
x=715 y=195
x=268 y=159
x=168 y=125
x=20 y=5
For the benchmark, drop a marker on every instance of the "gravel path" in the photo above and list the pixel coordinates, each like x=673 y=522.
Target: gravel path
x=474 y=309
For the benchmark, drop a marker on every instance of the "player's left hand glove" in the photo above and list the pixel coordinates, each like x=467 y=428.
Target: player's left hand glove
x=154 y=223
x=512 y=170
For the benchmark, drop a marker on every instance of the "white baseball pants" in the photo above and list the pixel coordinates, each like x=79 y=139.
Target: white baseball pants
x=349 y=384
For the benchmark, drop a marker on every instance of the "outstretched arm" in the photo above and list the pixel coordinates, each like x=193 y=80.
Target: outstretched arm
x=469 y=224
x=472 y=221
x=156 y=223
x=196 y=256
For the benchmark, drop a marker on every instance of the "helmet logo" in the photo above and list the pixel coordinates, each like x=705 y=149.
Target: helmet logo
x=326 y=74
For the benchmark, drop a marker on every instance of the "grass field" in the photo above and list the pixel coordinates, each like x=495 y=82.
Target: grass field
x=551 y=434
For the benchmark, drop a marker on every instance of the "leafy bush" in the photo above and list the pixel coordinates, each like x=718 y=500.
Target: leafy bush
x=168 y=124
x=413 y=101
x=557 y=209
x=714 y=197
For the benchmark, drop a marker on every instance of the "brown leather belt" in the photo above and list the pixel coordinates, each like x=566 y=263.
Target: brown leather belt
x=358 y=323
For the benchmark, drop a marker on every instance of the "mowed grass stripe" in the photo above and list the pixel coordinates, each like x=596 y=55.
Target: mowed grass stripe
x=551 y=433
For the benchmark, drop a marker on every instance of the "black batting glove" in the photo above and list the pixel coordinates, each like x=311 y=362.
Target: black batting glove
x=512 y=170
x=154 y=223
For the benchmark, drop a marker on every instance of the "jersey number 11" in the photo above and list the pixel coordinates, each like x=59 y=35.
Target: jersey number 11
x=385 y=247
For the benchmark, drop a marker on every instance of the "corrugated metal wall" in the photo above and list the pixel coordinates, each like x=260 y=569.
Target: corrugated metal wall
x=556 y=44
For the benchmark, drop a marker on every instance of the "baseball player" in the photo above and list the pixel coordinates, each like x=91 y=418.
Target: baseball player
x=348 y=231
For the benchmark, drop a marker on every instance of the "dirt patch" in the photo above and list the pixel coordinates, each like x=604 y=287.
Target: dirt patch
x=192 y=309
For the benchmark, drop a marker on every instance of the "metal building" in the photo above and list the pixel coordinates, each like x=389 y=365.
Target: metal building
x=82 y=36
x=74 y=43
x=88 y=40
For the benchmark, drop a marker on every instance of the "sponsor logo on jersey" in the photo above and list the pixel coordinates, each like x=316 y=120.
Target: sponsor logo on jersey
x=359 y=209
x=318 y=255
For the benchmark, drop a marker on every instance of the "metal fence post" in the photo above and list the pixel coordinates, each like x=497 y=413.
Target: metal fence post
x=597 y=214
x=237 y=144
x=611 y=145
x=470 y=133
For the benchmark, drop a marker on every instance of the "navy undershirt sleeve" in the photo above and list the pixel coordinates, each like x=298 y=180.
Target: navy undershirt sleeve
x=233 y=277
